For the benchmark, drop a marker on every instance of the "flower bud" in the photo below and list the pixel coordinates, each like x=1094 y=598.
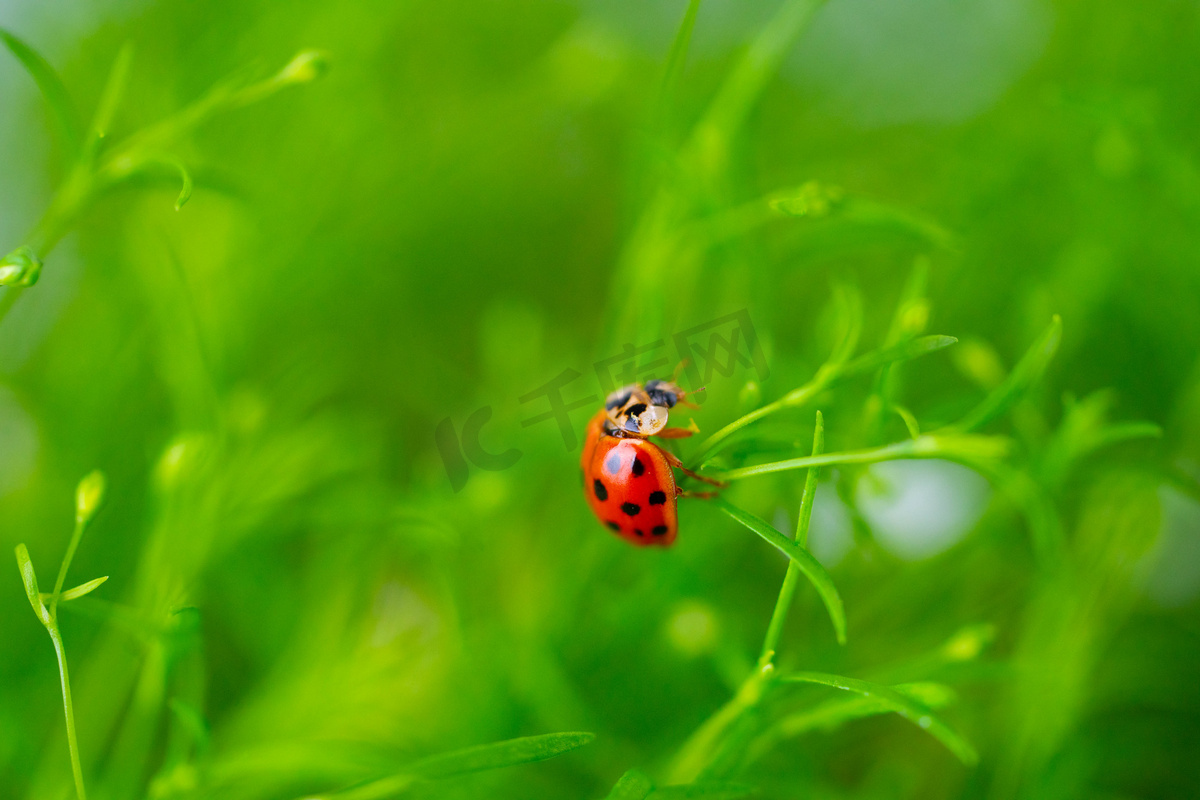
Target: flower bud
x=88 y=496
x=21 y=268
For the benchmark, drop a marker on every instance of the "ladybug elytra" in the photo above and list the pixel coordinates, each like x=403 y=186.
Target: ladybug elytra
x=627 y=479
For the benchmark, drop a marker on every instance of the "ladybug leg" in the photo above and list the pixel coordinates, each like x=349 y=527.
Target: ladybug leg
x=675 y=433
x=698 y=495
x=674 y=461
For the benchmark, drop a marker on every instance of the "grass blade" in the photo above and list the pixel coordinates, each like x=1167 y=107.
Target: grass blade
x=62 y=109
x=746 y=82
x=905 y=351
x=837 y=711
x=496 y=755
x=830 y=373
x=833 y=713
x=80 y=590
x=29 y=579
x=110 y=98
x=970 y=449
x=812 y=569
x=633 y=785
x=1027 y=371
x=677 y=56
x=913 y=711
x=499 y=754
x=186 y=191
x=788 y=589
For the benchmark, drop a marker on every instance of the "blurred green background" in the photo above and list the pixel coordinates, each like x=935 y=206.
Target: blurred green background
x=481 y=195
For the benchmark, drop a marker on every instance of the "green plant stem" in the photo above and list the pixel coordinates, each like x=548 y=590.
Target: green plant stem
x=967 y=448
x=797 y=397
x=834 y=370
x=792 y=578
x=695 y=754
x=68 y=705
x=76 y=535
x=93 y=172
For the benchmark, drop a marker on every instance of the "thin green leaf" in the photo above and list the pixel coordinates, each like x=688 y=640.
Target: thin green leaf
x=471 y=759
x=850 y=321
x=788 y=589
x=848 y=304
x=905 y=351
x=913 y=711
x=812 y=569
x=910 y=422
x=863 y=212
x=499 y=754
x=29 y=578
x=110 y=98
x=633 y=785
x=1124 y=432
x=78 y=591
x=186 y=191
x=375 y=790
x=829 y=374
x=62 y=109
x=709 y=790
x=833 y=713
x=677 y=57
x=746 y=81
x=970 y=449
x=837 y=711
x=1027 y=371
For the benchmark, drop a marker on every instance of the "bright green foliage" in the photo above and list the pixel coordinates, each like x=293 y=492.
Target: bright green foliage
x=965 y=232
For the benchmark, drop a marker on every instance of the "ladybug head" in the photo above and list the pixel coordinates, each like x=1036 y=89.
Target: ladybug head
x=663 y=393
x=636 y=412
x=642 y=419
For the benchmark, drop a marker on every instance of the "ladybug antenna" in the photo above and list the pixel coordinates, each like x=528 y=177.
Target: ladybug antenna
x=683 y=395
x=679 y=369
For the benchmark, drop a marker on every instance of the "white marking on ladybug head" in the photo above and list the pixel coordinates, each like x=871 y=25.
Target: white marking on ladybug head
x=650 y=421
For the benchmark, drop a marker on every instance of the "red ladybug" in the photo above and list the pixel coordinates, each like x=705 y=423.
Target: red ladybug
x=627 y=479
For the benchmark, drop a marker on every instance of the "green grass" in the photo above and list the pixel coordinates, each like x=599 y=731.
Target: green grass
x=252 y=309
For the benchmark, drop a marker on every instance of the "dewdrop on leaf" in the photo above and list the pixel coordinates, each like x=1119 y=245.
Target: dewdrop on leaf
x=89 y=495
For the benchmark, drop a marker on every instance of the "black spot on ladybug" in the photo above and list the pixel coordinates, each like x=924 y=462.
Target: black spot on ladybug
x=636 y=409
x=638 y=466
x=631 y=509
x=601 y=492
x=612 y=464
x=659 y=530
x=638 y=532
x=656 y=498
x=613 y=526
x=617 y=400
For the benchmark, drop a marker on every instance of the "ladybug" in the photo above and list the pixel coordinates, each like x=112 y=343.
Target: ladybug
x=627 y=479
